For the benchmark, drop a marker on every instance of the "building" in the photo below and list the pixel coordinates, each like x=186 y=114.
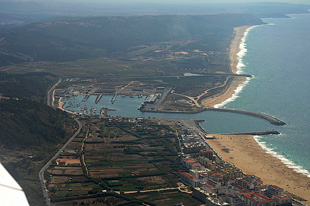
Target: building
x=200 y=194
x=208 y=153
x=282 y=200
x=208 y=188
x=274 y=190
x=257 y=199
x=61 y=162
x=189 y=179
x=245 y=184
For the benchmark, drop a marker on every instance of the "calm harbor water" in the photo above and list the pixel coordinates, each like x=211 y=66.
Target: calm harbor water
x=278 y=56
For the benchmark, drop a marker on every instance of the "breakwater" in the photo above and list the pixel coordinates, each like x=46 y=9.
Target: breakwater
x=267 y=117
x=262 y=133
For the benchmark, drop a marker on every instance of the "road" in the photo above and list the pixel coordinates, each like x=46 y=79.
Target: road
x=41 y=173
x=49 y=93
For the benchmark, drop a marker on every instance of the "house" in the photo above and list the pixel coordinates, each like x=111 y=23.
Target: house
x=61 y=162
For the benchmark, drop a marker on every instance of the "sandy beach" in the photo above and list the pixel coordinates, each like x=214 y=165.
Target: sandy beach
x=244 y=151
x=246 y=154
x=221 y=97
x=235 y=47
x=234 y=59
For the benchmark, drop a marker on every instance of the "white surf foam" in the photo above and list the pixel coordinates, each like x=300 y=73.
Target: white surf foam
x=287 y=162
x=235 y=94
x=240 y=67
x=243 y=50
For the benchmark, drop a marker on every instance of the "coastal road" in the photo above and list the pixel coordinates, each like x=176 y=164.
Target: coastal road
x=50 y=92
x=41 y=173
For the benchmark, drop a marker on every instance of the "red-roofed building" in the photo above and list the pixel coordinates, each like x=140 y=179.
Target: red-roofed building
x=282 y=200
x=195 y=166
x=240 y=189
x=244 y=183
x=185 y=162
x=274 y=190
x=257 y=199
x=260 y=188
x=208 y=188
x=208 y=153
x=189 y=179
x=231 y=181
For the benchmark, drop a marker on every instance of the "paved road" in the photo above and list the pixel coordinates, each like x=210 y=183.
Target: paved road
x=49 y=93
x=41 y=173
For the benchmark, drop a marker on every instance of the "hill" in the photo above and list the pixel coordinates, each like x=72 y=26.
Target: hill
x=81 y=38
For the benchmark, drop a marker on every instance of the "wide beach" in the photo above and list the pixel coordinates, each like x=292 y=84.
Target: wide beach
x=243 y=150
x=234 y=54
x=245 y=153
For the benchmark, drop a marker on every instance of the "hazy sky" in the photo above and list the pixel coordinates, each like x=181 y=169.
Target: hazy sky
x=172 y=1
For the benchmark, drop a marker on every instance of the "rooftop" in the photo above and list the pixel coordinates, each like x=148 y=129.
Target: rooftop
x=185 y=174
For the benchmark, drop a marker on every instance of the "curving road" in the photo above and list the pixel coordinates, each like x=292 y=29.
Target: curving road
x=41 y=173
x=49 y=93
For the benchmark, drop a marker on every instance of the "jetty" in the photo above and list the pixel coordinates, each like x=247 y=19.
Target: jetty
x=267 y=117
x=113 y=98
x=262 y=133
x=86 y=97
x=98 y=98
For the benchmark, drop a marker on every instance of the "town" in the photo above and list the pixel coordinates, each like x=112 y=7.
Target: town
x=204 y=174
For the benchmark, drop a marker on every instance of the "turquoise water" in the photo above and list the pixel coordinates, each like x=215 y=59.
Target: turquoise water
x=279 y=58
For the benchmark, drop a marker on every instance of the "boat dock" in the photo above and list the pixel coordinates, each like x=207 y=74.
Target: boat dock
x=86 y=97
x=98 y=98
x=113 y=98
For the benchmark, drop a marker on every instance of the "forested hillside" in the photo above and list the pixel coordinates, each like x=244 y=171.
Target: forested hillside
x=26 y=123
x=30 y=85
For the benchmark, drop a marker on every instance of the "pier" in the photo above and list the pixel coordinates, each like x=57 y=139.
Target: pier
x=86 y=97
x=113 y=98
x=267 y=117
x=98 y=98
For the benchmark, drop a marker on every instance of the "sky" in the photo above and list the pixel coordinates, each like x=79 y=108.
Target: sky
x=172 y=1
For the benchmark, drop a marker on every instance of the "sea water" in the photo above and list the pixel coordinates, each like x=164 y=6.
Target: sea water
x=278 y=55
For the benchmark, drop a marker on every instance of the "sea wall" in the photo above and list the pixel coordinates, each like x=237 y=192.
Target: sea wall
x=267 y=117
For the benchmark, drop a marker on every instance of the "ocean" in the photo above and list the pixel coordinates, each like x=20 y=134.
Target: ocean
x=278 y=56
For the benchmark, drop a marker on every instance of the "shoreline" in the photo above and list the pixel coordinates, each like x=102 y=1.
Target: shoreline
x=237 y=51
x=260 y=163
x=268 y=165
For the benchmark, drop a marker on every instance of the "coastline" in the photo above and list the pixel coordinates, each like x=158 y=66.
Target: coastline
x=237 y=51
x=266 y=166
x=263 y=163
